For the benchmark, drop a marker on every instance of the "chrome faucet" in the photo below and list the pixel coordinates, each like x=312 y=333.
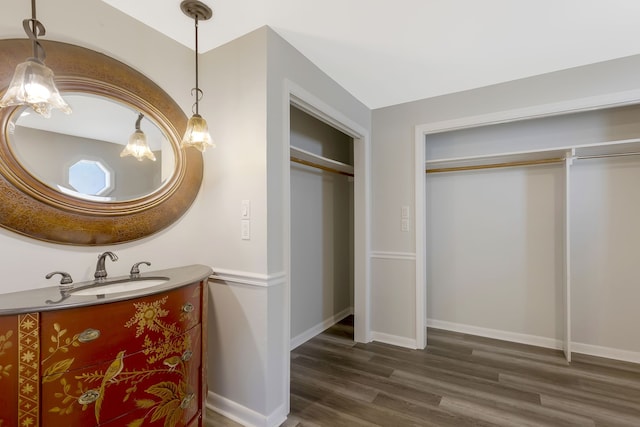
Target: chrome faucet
x=101 y=272
x=135 y=269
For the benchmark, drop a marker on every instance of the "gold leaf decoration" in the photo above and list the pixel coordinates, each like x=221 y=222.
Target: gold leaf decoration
x=174 y=417
x=136 y=423
x=165 y=390
x=56 y=370
x=165 y=410
x=148 y=316
x=4 y=371
x=169 y=406
x=5 y=344
x=145 y=403
x=61 y=345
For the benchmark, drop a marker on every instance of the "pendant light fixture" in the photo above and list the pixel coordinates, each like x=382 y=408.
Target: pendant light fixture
x=137 y=146
x=32 y=83
x=197 y=133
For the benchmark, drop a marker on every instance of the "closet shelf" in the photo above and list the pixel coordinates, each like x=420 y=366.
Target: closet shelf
x=623 y=148
x=307 y=158
x=535 y=157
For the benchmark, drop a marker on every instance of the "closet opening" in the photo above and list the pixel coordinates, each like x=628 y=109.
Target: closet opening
x=528 y=227
x=322 y=226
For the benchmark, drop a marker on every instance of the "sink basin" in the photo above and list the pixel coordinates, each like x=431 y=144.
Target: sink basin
x=125 y=285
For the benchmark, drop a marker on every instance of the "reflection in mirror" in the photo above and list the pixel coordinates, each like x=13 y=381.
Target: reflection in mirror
x=79 y=154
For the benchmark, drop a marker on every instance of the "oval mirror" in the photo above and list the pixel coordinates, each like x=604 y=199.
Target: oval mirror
x=81 y=154
x=63 y=179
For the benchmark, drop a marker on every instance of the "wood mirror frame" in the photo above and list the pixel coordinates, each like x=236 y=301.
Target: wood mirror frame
x=33 y=209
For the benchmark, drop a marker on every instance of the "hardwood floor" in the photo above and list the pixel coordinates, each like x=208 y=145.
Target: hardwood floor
x=459 y=380
x=216 y=420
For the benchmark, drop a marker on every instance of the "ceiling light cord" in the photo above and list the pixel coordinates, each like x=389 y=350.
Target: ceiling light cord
x=196 y=90
x=34 y=28
x=140 y=117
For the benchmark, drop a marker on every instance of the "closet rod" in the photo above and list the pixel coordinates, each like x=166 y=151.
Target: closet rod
x=602 y=156
x=317 y=166
x=497 y=165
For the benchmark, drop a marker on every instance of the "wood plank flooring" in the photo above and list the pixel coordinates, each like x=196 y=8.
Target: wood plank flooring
x=459 y=380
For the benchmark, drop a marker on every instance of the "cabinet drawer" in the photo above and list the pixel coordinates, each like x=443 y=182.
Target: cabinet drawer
x=160 y=382
x=95 y=334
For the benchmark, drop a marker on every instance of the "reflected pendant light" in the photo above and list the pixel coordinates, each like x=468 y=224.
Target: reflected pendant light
x=197 y=133
x=32 y=83
x=137 y=145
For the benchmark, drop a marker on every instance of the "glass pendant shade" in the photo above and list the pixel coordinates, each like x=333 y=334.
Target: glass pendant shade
x=138 y=147
x=32 y=84
x=197 y=134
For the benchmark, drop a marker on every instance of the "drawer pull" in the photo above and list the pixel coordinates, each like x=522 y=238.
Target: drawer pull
x=186 y=356
x=89 y=396
x=89 y=334
x=188 y=307
x=187 y=401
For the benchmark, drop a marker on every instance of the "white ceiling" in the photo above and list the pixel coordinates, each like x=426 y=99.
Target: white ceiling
x=388 y=52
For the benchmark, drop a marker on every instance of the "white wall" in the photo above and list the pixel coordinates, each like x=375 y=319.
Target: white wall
x=605 y=268
x=286 y=67
x=235 y=96
x=393 y=159
x=26 y=261
x=245 y=93
x=494 y=250
x=495 y=237
x=242 y=325
x=321 y=229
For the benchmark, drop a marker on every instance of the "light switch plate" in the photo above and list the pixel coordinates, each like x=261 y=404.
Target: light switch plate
x=405 y=212
x=245 y=229
x=245 y=209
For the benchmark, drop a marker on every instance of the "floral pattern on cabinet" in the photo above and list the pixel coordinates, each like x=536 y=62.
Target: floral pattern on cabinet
x=151 y=377
x=28 y=369
x=8 y=370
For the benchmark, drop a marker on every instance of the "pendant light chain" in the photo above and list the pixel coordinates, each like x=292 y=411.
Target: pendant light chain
x=34 y=28
x=198 y=93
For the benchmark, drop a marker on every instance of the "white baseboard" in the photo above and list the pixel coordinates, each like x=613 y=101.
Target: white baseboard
x=576 y=347
x=608 y=352
x=496 y=334
x=317 y=329
x=243 y=415
x=407 y=256
x=394 y=340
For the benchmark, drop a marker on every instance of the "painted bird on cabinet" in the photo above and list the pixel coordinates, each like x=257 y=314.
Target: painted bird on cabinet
x=109 y=376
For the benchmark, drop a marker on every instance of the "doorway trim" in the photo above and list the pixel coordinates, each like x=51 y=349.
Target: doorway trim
x=314 y=106
x=422 y=131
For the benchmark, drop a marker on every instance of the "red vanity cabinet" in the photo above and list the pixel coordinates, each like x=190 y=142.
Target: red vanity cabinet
x=8 y=370
x=127 y=363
